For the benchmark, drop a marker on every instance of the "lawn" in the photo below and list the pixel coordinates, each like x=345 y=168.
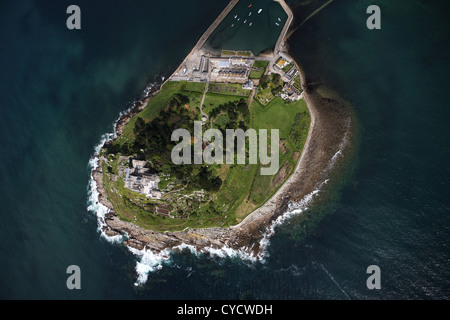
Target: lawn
x=265 y=95
x=228 y=52
x=244 y=53
x=159 y=102
x=234 y=89
x=261 y=64
x=278 y=115
x=131 y=206
x=213 y=100
x=243 y=188
x=235 y=188
x=193 y=86
x=258 y=69
x=236 y=53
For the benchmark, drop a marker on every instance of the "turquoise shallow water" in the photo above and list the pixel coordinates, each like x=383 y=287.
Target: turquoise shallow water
x=61 y=90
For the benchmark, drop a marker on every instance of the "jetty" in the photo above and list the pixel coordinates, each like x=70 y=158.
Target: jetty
x=207 y=34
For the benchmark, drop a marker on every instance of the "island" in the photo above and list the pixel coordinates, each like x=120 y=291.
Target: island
x=161 y=205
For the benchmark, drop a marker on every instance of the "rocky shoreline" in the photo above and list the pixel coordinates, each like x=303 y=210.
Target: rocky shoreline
x=330 y=126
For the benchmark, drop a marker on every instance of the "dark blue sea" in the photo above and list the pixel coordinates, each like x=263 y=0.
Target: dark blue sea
x=61 y=90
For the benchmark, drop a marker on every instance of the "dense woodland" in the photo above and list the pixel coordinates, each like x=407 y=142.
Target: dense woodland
x=153 y=139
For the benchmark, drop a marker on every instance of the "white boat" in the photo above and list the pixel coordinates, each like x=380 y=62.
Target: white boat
x=277 y=23
x=250 y=14
x=279 y=19
x=245 y=21
x=232 y=25
x=239 y=19
x=235 y=16
x=259 y=11
x=250 y=24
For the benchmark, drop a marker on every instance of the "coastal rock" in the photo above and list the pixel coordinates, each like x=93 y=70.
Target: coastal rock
x=112 y=233
x=330 y=124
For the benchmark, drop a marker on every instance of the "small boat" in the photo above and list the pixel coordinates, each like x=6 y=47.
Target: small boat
x=239 y=19
x=232 y=25
x=250 y=14
x=235 y=16
x=259 y=11
x=279 y=19
x=250 y=24
x=277 y=23
x=250 y=5
x=245 y=21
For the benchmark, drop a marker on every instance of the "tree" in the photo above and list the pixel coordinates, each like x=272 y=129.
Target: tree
x=276 y=78
x=264 y=81
x=276 y=90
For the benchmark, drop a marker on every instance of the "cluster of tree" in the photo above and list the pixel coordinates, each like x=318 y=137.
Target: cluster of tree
x=155 y=135
x=264 y=81
x=238 y=114
x=276 y=90
x=274 y=80
x=154 y=138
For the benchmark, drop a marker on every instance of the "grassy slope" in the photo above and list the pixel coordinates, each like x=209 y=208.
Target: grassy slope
x=243 y=189
x=276 y=115
x=193 y=90
x=261 y=66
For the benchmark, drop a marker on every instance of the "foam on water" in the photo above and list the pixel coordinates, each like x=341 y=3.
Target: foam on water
x=95 y=206
x=149 y=262
x=294 y=208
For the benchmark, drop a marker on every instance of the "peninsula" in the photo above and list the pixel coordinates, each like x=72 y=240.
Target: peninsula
x=161 y=205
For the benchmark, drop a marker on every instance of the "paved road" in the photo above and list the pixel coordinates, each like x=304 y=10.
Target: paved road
x=282 y=36
x=203 y=99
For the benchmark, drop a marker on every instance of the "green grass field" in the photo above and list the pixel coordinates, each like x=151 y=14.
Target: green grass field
x=244 y=53
x=261 y=64
x=193 y=90
x=193 y=87
x=258 y=69
x=234 y=89
x=213 y=100
x=288 y=67
x=236 y=53
x=277 y=115
x=244 y=188
x=228 y=52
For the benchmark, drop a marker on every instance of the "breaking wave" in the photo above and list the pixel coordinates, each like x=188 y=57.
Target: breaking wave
x=93 y=203
x=151 y=261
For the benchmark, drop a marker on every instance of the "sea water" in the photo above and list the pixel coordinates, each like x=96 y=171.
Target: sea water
x=62 y=90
